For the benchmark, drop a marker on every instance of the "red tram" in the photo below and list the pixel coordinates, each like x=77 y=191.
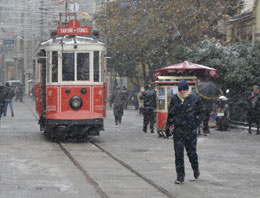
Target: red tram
x=70 y=89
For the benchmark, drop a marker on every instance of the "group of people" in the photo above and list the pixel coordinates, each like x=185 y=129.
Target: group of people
x=147 y=105
x=6 y=99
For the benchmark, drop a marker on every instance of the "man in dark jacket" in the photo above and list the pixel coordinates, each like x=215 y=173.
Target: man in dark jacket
x=209 y=107
x=117 y=99
x=149 y=97
x=2 y=99
x=9 y=97
x=186 y=112
x=253 y=114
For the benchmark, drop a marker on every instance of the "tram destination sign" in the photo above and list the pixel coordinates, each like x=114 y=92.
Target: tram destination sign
x=74 y=28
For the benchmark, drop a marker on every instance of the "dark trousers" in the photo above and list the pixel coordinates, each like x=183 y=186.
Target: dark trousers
x=118 y=110
x=253 y=118
x=118 y=119
x=148 y=118
x=250 y=126
x=184 y=138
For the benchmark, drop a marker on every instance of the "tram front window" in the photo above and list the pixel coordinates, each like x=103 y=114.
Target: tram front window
x=83 y=66
x=68 y=67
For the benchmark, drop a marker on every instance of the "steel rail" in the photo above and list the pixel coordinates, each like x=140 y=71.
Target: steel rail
x=147 y=180
x=94 y=183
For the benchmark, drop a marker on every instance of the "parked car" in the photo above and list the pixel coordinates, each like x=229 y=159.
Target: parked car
x=14 y=83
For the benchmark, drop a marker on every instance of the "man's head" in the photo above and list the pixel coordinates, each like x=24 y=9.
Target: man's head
x=147 y=86
x=183 y=86
x=255 y=89
x=7 y=84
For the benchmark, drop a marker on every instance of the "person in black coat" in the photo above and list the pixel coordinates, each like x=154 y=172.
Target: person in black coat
x=209 y=108
x=117 y=99
x=9 y=99
x=2 y=98
x=253 y=113
x=186 y=112
x=149 y=98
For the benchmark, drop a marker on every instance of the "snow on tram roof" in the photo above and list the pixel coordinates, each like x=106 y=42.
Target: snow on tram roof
x=71 y=40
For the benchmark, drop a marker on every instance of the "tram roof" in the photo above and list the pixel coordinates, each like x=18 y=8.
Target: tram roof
x=72 y=40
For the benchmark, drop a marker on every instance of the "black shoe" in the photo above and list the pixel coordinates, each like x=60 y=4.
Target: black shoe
x=152 y=131
x=249 y=131
x=144 y=130
x=116 y=123
x=179 y=180
x=12 y=115
x=196 y=173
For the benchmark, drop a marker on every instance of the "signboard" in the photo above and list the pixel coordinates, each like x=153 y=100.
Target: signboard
x=7 y=42
x=74 y=28
x=128 y=3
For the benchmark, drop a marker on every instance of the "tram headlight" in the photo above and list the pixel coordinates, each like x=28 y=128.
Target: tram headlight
x=76 y=102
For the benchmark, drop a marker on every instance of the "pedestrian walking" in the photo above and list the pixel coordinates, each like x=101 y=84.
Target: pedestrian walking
x=117 y=99
x=19 y=93
x=140 y=101
x=125 y=92
x=253 y=113
x=2 y=100
x=149 y=98
x=186 y=112
x=134 y=99
x=209 y=108
x=9 y=99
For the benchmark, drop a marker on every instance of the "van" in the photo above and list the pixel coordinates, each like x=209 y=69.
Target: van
x=14 y=83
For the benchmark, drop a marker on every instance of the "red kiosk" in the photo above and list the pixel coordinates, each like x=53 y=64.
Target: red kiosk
x=167 y=79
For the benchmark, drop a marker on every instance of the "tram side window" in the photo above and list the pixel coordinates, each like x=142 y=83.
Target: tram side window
x=96 y=66
x=55 y=66
x=83 y=66
x=161 y=98
x=68 y=67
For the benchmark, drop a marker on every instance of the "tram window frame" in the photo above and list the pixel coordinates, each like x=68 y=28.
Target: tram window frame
x=96 y=66
x=48 y=66
x=54 y=66
x=37 y=73
x=72 y=71
x=103 y=69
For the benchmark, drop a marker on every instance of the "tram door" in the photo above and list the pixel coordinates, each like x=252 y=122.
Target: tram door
x=42 y=70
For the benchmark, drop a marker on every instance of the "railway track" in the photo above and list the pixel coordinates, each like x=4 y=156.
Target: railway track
x=120 y=163
x=123 y=164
